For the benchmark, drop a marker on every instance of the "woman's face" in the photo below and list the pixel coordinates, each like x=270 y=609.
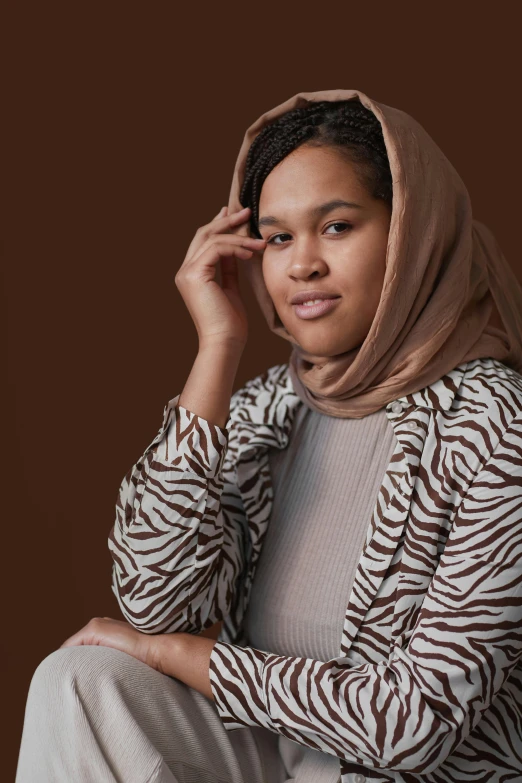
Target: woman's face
x=340 y=249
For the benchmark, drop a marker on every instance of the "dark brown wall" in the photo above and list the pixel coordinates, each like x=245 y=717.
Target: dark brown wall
x=123 y=128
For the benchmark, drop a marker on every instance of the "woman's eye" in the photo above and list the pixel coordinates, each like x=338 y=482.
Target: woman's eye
x=276 y=236
x=343 y=225
x=339 y=223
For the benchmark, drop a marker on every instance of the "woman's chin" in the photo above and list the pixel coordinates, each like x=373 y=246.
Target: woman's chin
x=316 y=349
x=313 y=346
x=329 y=350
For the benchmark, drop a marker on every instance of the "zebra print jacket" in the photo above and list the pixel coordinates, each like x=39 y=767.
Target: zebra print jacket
x=427 y=685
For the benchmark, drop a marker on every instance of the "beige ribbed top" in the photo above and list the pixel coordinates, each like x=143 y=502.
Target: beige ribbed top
x=325 y=486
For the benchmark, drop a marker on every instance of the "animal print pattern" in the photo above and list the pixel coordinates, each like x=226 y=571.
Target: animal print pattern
x=427 y=685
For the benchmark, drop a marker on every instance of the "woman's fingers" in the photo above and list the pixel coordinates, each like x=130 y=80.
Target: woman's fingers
x=223 y=219
x=231 y=246
x=221 y=223
x=222 y=248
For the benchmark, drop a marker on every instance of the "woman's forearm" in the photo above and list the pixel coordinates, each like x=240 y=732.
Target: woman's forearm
x=208 y=388
x=186 y=657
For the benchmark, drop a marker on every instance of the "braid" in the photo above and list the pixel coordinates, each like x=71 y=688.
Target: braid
x=346 y=125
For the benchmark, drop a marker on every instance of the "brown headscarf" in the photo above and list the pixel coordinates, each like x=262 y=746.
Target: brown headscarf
x=444 y=275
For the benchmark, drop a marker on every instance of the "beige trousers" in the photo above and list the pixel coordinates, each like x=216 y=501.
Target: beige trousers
x=98 y=715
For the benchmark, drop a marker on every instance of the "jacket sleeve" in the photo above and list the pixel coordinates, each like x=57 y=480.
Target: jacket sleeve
x=176 y=543
x=410 y=712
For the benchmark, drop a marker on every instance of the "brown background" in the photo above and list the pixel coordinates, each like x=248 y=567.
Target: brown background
x=124 y=123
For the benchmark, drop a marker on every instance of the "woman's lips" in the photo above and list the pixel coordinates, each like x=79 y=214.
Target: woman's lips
x=313 y=311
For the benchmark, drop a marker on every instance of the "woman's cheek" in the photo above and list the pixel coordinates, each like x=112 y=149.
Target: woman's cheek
x=272 y=282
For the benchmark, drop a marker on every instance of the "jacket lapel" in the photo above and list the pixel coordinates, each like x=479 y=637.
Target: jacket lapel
x=268 y=425
x=388 y=520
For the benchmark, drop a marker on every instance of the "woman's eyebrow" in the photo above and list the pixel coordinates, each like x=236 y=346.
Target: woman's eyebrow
x=318 y=211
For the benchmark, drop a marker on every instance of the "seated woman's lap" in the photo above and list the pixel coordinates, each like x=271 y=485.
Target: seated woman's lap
x=95 y=713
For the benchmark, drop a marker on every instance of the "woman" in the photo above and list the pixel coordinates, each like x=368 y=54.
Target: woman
x=351 y=519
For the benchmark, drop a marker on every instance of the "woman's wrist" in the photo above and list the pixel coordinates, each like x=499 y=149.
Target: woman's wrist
x=208 y=389
x=186 y=657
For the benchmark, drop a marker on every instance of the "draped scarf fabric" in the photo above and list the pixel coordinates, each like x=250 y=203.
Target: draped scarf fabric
x=449 y=295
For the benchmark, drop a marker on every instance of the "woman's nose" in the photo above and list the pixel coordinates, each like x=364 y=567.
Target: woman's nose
x=303 y=267
x=305 y=258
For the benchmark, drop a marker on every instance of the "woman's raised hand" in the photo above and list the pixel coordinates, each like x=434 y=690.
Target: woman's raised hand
x=217 y=310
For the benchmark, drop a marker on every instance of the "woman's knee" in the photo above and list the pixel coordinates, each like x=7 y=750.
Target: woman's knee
x=83 y=665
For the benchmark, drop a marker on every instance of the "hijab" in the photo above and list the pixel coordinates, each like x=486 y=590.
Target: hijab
x=448 y=296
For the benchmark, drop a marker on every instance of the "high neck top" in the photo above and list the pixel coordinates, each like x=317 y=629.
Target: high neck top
x=325 y=485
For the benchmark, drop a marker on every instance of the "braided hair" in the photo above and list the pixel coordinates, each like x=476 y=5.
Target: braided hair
x=344 y=125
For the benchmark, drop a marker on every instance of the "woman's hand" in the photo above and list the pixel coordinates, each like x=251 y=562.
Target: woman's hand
x=217 y=310
x=183 y=656
x=121 y=635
